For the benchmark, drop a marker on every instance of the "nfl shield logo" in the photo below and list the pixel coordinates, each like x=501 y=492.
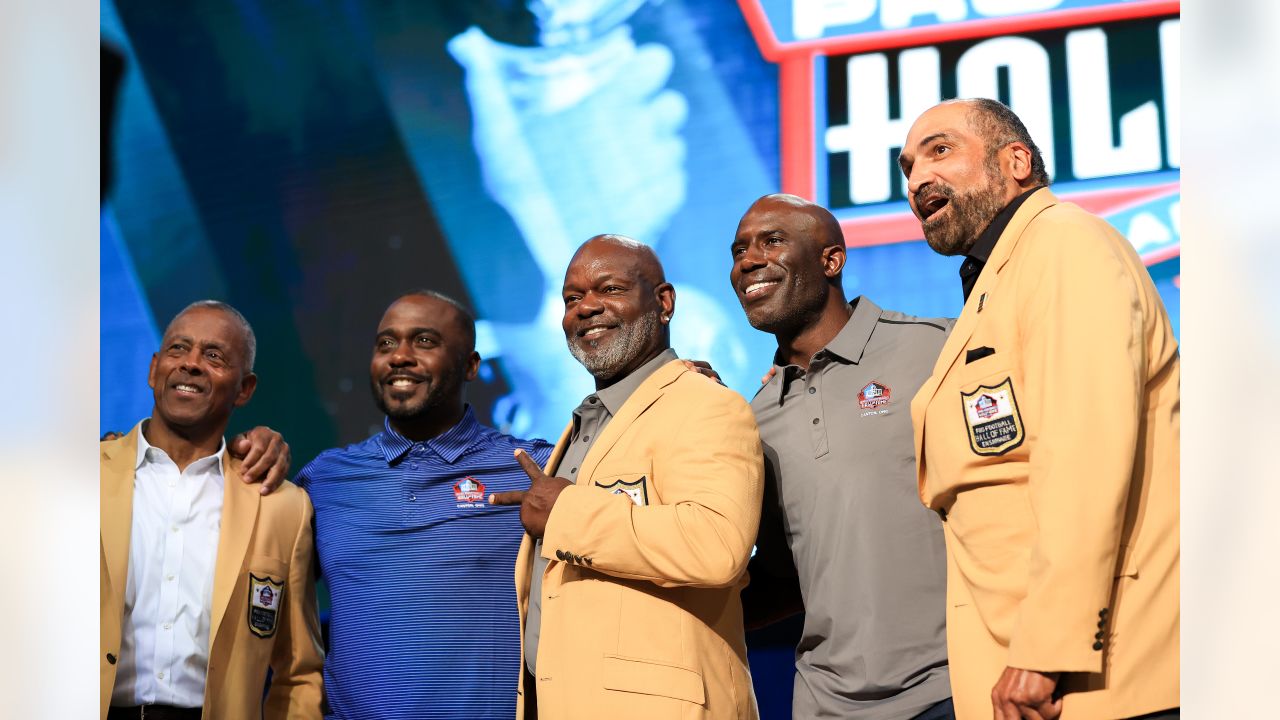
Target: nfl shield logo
x=635 y=490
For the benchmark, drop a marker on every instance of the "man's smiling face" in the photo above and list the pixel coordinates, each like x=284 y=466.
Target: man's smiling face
x=199 y=374
x=421 y=357
x=777 y=271
x=616 y=308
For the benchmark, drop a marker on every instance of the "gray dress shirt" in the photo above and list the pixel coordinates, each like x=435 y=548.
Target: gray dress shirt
x=589 y=419
x=869 y=557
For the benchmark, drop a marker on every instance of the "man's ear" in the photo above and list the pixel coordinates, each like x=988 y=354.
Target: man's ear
x=248 y=384
x=1018 y=159
x=151 y=371
x=833 y=259
x=473 y=366
x=666 y=296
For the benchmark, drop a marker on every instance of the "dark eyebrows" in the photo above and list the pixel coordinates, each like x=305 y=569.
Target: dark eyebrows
x=188 y=340
x=746 y=238
x=904 y=164
x=605 y=279
x=936 y=136
x=412 y=332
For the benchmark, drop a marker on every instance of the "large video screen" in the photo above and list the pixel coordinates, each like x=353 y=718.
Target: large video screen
x=308 y=161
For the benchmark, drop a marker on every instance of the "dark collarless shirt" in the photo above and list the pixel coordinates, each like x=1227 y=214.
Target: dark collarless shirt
x=980 y=253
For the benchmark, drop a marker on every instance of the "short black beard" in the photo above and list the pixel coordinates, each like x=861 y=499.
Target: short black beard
x=406 y=414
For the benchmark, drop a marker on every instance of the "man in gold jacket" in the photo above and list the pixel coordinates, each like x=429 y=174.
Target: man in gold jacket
x=640 y=529
x=1047 y=437
x=206 y=584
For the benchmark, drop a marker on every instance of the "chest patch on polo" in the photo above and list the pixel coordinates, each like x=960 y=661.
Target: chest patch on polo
x=874 y=395
x=635 y=489
x=469 y=493
x=992 y=419
x=265 y=596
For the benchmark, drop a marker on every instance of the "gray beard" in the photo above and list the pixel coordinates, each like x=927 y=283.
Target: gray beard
x=604 y=362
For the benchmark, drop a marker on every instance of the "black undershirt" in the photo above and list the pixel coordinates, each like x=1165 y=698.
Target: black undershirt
x=981 y=250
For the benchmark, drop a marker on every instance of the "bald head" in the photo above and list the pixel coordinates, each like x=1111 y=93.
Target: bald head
x=639 y=257
x=457 y=313
x=824 y=230
x=617 y=307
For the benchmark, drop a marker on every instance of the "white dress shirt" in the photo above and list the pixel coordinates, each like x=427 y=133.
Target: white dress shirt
x=173 y=545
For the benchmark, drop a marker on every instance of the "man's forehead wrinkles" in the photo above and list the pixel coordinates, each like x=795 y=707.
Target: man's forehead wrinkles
x=412 y=330
x=940 y=135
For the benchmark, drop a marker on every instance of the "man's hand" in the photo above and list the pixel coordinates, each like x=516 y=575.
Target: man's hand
x=536 y=502
x=1026 y=694
x=769 y=375
x=703 y=367
x=265 y=457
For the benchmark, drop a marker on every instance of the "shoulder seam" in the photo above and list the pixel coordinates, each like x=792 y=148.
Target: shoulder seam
x=912 y=322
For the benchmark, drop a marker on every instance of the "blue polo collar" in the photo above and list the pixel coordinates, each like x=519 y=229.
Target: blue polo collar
x=449 y=445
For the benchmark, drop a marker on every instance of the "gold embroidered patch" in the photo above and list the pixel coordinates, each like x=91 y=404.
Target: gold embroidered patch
x=265 y=596
x=992 y=418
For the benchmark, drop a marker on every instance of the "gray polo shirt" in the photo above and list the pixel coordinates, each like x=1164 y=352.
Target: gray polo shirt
x=868 y=555
x=589 y=419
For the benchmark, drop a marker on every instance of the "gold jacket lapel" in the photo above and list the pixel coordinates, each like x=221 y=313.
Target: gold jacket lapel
x=118 y=462
x=642 y=399
x=968 y=320
x=557 y=453
x=240 y=504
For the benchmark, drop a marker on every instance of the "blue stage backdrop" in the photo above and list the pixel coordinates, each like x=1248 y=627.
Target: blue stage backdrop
x=309 y=160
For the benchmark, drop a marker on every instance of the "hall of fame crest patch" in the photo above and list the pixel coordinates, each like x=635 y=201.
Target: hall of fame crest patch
x=874 y=395
x=992 y=418
x=265 y=597
x=469 y=493
x=636 y=490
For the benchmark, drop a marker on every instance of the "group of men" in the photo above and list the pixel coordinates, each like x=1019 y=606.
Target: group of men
x=1005 y=543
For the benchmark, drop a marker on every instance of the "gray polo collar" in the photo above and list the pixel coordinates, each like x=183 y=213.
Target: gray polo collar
x=847 y=346
x=614 y=396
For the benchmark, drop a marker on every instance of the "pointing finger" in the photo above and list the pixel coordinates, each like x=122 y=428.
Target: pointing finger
x=514 y=497
x=529 y=465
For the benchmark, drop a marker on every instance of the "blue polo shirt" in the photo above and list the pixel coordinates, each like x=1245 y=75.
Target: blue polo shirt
x=423 y=622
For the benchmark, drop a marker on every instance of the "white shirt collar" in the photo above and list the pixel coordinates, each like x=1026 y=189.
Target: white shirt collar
x=144 y=448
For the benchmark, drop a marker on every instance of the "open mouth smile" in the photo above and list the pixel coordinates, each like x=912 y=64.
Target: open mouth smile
x=402 y=382
x=594 y=331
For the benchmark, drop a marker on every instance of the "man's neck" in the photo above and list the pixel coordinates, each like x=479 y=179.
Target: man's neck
x=430 y=424
x=183 y=445
x=602 y=383
x=799 y=347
